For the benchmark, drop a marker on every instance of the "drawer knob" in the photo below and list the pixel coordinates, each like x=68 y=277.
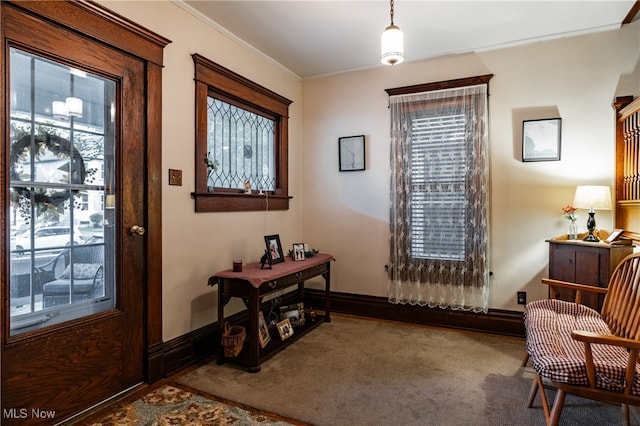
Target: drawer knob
x=273 y=284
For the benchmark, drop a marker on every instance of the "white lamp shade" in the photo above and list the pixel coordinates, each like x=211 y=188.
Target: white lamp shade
x=592 y=197
x=59 y=109
x=74 y=106
x=110 y=201
x=391 y=46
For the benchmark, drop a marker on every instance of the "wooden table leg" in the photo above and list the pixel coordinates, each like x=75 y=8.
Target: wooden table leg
x=327 y=293
x=252 y=336
x=220 y=357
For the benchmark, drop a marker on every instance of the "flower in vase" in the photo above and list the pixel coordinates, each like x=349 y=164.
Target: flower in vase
x=570 y=213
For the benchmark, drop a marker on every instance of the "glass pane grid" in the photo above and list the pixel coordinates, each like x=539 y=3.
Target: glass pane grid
x=241 y=147
x=61 y=167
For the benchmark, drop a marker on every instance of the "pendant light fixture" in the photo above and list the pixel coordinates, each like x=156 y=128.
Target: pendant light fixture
x=391 y=43
x=74 y=106
x=71 y=107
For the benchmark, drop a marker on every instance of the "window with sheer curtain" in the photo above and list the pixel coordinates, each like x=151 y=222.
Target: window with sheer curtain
x=439 y=195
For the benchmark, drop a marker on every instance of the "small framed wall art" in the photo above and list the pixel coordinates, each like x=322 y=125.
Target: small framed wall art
x=541 y=139
x=351 y=153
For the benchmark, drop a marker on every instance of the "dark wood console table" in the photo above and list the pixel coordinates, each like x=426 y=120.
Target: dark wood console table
x=252 y=284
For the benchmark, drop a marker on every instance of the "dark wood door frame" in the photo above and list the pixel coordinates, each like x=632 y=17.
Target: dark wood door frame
x=107 y=28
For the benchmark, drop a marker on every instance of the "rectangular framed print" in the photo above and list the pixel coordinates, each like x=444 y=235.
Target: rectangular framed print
x=615 y=234
x=541 y=139
x=298 y=251
x=274 y=249
x=285 y=329
x=263 y=331
x=351 y=153
x=294 y=313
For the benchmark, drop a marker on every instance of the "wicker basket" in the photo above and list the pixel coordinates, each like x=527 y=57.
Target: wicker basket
x=233 y=339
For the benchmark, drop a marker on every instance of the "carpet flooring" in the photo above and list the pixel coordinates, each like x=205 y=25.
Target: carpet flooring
x=356 y=371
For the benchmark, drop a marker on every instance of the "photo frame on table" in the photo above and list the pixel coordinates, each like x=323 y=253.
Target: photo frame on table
x=294 y=313
x=615 y=234
x=285 y=329
x=351 y=153
x=541 y=139
x=274 y=249
x=263 y=331
x=298 y=251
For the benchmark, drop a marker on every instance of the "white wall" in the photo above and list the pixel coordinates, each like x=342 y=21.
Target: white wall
x=576 y=78
x=195 y=246
x=346 y=214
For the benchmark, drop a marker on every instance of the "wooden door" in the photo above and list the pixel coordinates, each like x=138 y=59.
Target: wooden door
x=52 y=372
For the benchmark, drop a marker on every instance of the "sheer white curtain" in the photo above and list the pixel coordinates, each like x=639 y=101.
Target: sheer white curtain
x=439 y=225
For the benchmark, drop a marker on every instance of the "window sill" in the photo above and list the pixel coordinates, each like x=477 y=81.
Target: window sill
x=237 y=202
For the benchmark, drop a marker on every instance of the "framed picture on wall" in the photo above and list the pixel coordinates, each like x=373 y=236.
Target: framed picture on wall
x=541 y=139
x=351 y=153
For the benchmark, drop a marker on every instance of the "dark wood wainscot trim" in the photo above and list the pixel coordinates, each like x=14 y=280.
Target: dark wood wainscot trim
x=502 y=322
x=201 y=345
x=190 y=348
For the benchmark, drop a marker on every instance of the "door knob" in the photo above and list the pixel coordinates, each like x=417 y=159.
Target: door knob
x=136 y=230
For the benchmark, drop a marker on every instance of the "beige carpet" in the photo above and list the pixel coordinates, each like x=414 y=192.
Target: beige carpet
x=356 y=371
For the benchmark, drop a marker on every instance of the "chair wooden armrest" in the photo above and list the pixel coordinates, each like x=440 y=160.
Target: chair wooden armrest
x=631 y=345
x=579 y=288
x=605 y=339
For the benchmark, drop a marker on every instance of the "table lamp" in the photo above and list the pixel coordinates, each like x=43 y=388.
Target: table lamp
x=592 y=198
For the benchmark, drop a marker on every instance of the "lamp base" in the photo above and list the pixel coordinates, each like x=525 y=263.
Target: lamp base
x=591 y=226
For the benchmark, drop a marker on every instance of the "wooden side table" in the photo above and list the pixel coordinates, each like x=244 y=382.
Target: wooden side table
x=586 y=263
x=252 y=284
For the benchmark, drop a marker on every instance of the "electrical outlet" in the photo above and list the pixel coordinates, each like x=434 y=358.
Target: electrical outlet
x=522 y=298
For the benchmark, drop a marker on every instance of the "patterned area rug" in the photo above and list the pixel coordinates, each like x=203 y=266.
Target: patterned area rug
x=179 y=405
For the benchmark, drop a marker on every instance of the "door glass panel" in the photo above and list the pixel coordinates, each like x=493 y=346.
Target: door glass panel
x=62 y=203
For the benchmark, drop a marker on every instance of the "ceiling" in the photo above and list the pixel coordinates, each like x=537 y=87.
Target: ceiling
x=312 y=38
